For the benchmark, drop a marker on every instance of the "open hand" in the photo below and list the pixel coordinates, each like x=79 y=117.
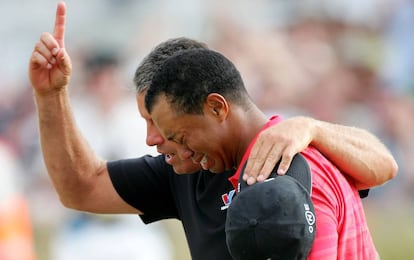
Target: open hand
x=281 y=141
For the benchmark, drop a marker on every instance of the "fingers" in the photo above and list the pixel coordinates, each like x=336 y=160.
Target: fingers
x=286 y=160
x=262 y=160
x=261 y=167
x=63 y=61
x=45 y=50
x=60 y=20
x=264 y=165
x=279 y=142
x=285 y=155
x=49 y=46
x=269 y=164
x=38 y=61
x=255 y=162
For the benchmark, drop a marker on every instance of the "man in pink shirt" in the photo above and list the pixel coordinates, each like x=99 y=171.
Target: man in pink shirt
x=198 y=100
x=342 y=231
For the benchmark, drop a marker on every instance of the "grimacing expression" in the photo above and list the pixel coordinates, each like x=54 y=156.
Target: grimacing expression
x=154 y=138
x=204 y=135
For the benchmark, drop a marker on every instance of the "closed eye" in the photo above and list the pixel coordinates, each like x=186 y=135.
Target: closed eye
x=181 y=140
x=173 y=138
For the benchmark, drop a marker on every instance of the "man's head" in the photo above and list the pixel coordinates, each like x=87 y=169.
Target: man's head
x=188 y=77
x=142 y=80
x=191 y=99
x=163 y=51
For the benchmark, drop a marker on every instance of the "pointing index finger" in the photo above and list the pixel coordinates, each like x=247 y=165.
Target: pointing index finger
x=59 y=30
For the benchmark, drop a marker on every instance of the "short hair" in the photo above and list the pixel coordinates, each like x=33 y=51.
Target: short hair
x=163 y=51
x=188 y=77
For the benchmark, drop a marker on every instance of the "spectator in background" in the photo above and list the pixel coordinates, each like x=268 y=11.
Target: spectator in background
x=16 y=234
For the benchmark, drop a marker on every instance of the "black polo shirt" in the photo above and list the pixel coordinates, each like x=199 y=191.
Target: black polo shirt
x=199 y=200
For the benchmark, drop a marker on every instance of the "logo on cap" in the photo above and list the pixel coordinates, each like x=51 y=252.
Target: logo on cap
x=310 y=217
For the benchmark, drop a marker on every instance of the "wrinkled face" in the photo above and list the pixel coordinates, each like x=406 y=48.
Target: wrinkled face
x=165 y=147
x=204 y=135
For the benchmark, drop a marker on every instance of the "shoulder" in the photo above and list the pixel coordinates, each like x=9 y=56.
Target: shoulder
x=147 y=161
x=329 y=184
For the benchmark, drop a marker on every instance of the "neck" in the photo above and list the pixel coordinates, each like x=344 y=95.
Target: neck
x=245 y=125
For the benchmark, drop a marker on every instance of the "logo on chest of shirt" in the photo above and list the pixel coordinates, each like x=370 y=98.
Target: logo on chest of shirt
x=226 y=198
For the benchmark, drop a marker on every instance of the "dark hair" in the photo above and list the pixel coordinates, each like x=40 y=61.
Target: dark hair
x=163 y=51
x=188 y=77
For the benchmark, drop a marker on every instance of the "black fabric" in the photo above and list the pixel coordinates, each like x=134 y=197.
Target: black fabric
x=150 y=185
x=274 y=219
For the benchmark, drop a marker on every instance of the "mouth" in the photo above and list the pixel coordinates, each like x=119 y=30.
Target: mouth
x=169 y=157
x=204 y=162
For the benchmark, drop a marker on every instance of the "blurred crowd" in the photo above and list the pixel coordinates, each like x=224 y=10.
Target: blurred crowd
x=349 y=62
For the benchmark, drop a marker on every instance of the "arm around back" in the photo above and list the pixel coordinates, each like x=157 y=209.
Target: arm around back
x=356 y=152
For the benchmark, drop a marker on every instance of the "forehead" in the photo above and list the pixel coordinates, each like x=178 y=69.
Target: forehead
x=168 y=122
x=141 y=105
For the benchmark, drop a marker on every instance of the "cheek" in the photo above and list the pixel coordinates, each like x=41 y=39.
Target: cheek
x=203 y=144
x=172 y=147
x=212 y=146
x=202 y=139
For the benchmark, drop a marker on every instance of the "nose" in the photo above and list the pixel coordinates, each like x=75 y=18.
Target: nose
x=153 y=136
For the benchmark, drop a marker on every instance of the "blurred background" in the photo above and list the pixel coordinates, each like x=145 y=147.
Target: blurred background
x=349 y=62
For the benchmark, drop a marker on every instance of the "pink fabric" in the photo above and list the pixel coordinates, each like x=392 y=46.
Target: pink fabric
x=341 y=228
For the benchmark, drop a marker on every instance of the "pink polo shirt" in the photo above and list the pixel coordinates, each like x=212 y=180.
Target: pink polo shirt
x=341 y=228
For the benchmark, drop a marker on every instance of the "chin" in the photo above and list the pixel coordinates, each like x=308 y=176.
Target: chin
x=186 y=169
x=215 y=171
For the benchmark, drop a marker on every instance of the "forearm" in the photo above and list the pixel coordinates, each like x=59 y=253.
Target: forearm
x=69 y=160
x=355 y=152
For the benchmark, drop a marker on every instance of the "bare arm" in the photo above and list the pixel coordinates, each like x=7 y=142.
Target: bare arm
x=355 y=151
x=79 y=176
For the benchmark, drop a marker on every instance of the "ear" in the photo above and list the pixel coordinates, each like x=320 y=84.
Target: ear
x=217 y=106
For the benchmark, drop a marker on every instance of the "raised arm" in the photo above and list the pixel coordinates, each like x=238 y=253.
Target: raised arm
x=79 y=176
x=355 y=151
